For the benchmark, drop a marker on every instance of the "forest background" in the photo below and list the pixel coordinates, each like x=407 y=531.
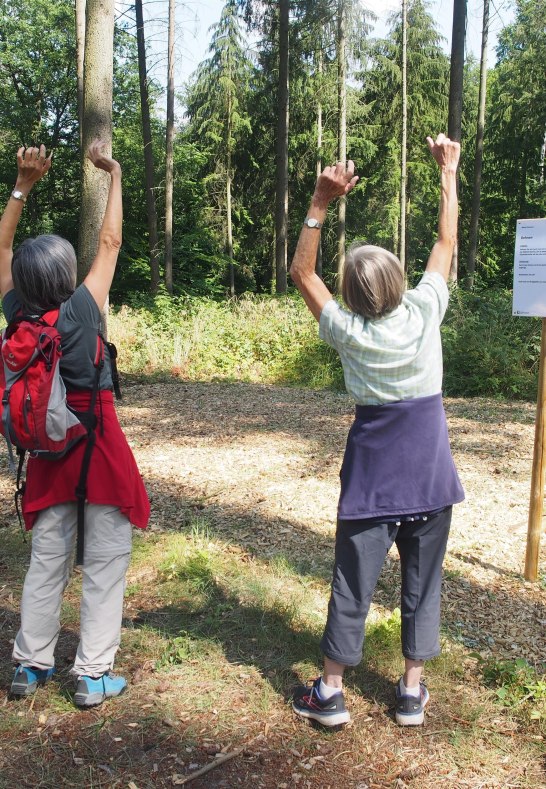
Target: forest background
x=219 y=315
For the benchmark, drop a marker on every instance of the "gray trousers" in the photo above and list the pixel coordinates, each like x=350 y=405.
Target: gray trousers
x=107 y=554
x=361 y=550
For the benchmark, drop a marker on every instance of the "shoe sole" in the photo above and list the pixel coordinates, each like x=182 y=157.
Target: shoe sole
x=412 y=720
x=24 y=690
x=17 y=689
x=330 y=720
x=94 y=699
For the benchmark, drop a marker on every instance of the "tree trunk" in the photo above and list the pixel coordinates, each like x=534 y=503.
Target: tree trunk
x=522 y=200
x=229 y=229
x=169 y=155
x=229 y=223
x=456 y=91
x=342 y=125
x=403 y=168
x=543 y=160
x=281 y=190
x=149 y=168
x=478 y=158
x=318 y=266
x=97 y=123
x=80 y=51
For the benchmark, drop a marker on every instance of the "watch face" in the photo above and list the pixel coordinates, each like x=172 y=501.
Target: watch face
x=310 y=222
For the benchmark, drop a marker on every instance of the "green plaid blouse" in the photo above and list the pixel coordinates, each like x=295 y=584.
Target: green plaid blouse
x=397 y=357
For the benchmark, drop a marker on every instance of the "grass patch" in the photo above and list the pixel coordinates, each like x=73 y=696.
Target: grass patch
x=517 y=685
x=213 y=641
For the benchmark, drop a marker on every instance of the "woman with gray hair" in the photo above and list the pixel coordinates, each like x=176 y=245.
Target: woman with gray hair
x=398 y=479
x=40 y=276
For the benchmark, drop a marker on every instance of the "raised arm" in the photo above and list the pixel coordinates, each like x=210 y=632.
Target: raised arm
x=331 y=183
x=446 y=153
x=101 y=273
x=32 y=164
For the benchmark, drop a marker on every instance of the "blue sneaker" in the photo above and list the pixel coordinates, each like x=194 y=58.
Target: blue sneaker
x=91 y=691
x=27 y=679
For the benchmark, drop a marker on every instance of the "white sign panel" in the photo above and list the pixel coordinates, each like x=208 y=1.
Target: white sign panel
x=530 y=268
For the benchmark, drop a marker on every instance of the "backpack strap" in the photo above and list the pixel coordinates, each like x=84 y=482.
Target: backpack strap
x=19 y=493
x=113 y=353
x=90 y=421
x=6 y=421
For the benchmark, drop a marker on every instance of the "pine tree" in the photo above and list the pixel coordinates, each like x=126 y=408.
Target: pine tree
x=215 y=108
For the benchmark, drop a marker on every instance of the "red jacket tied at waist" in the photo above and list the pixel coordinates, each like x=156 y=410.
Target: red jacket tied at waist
x=113 y=477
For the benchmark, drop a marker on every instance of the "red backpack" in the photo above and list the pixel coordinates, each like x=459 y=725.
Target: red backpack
x=34 y=415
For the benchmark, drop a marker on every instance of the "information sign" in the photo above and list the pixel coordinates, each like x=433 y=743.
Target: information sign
x=530 y=268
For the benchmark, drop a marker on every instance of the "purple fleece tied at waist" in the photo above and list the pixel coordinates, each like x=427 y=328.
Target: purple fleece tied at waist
x=398 y=461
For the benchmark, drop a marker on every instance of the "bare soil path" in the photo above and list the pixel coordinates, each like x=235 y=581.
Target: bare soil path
x=263 y=462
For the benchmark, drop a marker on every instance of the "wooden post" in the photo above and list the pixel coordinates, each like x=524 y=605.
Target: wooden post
x=539 y=467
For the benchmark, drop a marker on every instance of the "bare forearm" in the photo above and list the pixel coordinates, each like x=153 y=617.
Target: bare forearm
x=449 y=208
x=110 y=233
x=445 y=153
x=305 y=256
x=8 y=223
x=442 y=252
x=102 y=269
x=8 y=226
x=12 y=214
x=332 y=182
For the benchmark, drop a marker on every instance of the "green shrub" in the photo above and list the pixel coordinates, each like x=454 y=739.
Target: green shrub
x=266 y=339
x=487 y=351
x=259 y=339
x=515 y=682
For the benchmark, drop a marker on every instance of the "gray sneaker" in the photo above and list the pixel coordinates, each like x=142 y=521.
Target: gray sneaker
x=410 y=711
x=307 y=702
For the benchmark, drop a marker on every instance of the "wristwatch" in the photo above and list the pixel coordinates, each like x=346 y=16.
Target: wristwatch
x=314 y=223
x=19 y=195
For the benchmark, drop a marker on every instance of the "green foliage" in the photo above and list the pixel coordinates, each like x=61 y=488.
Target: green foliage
x=229 y=130
x=383 y=635
x=378 y=147
x=183 y=648
x=515 y=682
x=252 y=339
x=513 y=180
x=486 y=350
x=38 y=104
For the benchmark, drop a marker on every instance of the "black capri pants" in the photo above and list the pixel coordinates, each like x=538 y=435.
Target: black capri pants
x=361 y=550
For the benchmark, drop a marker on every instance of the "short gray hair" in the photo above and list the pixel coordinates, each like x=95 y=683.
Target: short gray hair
x=372 y=280
x=44 y=272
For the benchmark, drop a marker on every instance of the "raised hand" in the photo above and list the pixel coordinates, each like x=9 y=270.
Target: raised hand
x=333 y=182
x=100 y=159
x=32 y=164
x=445 y=152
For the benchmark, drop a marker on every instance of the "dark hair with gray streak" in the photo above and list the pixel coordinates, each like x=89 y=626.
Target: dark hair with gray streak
x=372 y=280
x=44 y=272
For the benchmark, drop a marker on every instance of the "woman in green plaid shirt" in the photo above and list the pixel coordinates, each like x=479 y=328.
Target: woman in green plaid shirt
x=398 y=480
